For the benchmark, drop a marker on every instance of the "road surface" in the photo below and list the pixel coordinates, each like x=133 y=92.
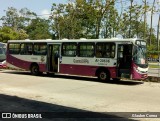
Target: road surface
x=20 y=91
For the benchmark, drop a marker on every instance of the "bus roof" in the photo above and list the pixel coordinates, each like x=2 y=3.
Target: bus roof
x=77 y=40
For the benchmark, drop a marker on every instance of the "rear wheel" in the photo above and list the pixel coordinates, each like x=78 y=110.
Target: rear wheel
x=35 y=69
x=103 y=75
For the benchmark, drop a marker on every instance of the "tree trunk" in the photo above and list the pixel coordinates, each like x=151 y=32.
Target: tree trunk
x=151 y=23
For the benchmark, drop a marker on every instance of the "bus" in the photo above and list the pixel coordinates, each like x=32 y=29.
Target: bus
x=2 y=55
x=103 y=58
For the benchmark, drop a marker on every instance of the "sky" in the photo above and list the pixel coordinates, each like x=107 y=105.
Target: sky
x=42 y=7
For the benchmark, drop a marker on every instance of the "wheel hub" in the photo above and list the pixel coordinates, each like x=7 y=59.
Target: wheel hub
x=103 y=75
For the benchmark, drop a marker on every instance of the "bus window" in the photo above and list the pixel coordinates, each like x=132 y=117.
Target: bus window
x=69 y=49
x=105 y=50
x=1 y=51
x=40 y=49
x=14 y=48
x=86 y=49
x=26 y=49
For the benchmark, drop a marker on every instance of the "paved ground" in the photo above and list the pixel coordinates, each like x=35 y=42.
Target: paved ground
x=19 y=91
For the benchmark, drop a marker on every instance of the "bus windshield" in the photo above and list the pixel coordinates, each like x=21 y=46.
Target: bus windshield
x=139 y=55
x=2 y=50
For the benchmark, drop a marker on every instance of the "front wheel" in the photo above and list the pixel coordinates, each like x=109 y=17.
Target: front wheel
x=103 y=76
x=35 y=70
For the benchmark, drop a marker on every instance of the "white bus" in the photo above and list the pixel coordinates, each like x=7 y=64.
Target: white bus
x=2 y=55
x=103 y=58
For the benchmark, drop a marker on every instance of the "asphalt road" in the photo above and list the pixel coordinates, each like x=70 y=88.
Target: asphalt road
x=20 y=91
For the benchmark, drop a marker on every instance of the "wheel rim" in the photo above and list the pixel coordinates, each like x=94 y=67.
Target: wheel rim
x=35 y=69
x=103 y=76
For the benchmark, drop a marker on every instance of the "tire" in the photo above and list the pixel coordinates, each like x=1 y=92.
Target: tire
x=35 y=69
x=103 y=75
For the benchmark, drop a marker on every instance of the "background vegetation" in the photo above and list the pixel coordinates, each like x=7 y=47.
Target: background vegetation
x=83 y=19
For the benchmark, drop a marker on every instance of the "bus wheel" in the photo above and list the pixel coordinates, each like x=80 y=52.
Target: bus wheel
x=35 y=69
x=103 y=76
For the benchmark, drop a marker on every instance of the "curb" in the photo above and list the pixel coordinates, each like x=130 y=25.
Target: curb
x=152 y=79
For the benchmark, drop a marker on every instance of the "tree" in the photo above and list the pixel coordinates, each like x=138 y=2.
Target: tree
x=7 y=33
x=79 y=18
x=17 y=19
x=39 y=29
x=151 y=28
x=57 y=19
x=111 y=22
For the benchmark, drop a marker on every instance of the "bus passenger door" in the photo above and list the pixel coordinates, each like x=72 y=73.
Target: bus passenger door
x=53 y=57
x=124 y=59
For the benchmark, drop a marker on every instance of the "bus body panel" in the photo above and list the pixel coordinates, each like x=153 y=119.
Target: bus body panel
x=24 y=62
x=84 y=70
x=87 y=66
x=138 y=73
x=78 y=65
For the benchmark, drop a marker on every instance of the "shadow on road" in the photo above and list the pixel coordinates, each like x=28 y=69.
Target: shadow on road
x=52 y=111
x=120 y=82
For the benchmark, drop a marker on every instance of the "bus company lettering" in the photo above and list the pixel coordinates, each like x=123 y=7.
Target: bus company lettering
x=102 y=60
x=81 y=61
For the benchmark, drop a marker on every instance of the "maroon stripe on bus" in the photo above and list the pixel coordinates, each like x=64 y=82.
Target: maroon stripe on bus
x=23 y=64
x=84 y=70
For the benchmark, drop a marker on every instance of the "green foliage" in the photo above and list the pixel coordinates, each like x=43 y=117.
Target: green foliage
x=79 y=18
x=98 y=19
x=19 y=25
x=17 y=19
x=82 y=19
x=6 y=33
x=22 y=34
x=38 y=29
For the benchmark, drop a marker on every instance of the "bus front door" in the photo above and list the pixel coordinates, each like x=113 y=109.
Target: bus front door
x=53 y=57
x=124 y=58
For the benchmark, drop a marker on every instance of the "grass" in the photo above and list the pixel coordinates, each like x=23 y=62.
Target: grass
x=154 y=66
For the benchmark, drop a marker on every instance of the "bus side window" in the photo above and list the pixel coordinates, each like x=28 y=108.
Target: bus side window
x=105 y=50
x=14 y=48
x=98 y=54
x=1 y=51
x=29 y=50
x=86 y=49
x=69 y=49
x=40 y=49
x=107 y=54
x=26 y=49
